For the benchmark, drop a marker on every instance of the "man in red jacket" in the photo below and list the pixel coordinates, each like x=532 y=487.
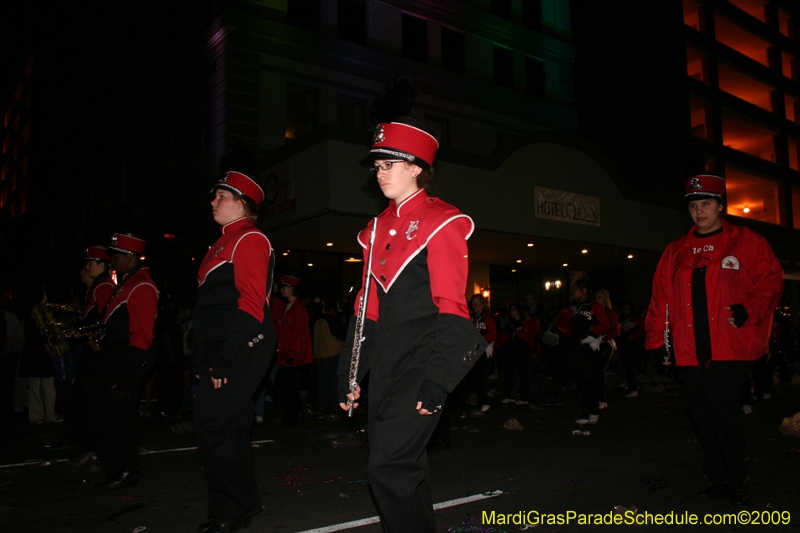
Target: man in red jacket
x=294 y=350
x=714 y=293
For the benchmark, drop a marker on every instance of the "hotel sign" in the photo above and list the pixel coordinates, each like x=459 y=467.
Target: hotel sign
x=567 y=206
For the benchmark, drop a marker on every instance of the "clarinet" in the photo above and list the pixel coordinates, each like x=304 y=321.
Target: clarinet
x=666 y=339
x=358 y=336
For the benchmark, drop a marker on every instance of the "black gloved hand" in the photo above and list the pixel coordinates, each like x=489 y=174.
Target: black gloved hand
x=739 y=314
x=220 y=368
x=432 y=395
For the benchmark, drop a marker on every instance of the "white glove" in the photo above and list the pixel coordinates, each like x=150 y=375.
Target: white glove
x=490 y=349
x=593 y=342
x=612 y=344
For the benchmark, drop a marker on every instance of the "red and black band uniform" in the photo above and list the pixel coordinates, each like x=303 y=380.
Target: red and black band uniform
x=234 y=340
x=126 y=354
x=516 y=355
x=585 y=318
x=698 y=276
x=419 y=344
x=295 y=353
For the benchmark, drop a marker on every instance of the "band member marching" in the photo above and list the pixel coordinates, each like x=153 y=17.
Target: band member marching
x=418 y=340
x=234 y=340
x=127 y=354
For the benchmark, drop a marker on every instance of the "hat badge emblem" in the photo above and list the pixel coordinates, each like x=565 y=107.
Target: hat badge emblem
x=694 y=184
x=114 y=240
x=379 y=136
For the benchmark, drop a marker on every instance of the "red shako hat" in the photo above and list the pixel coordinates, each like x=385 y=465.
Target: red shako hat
x=241 y=185
x=704 y=186
x=125 y=243
x=404 y=138
x=96 y=253
x=290 y=280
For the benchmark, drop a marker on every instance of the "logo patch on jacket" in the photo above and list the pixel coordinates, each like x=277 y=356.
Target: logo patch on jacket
x=731 y=263
x=412 y=228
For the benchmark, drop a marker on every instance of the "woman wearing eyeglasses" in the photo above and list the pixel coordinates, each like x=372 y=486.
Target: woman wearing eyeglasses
x=419 y=341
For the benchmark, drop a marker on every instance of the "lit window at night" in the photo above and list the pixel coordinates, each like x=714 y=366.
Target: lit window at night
x=792 y=108
x=748 y=137
x=693 y=15
x=742 y=86
x=786 y=22
x=789 y=65
x=741 y=40
x=794 y=155
x=754 y=8
x=796 y=207
x=701 y=119
x=762 y=198
x=697 y=64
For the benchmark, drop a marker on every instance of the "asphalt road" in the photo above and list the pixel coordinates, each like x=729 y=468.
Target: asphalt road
x=312 y=476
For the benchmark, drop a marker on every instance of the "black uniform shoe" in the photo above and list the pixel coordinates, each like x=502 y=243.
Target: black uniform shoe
x=717 y=490
x=125 y=479
x=226 y=527
x=741 y=495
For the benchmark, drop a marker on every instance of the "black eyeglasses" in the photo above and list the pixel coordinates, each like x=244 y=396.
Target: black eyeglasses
x=386 y=165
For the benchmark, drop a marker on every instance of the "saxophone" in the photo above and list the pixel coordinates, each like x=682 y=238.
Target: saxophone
x=358 y=336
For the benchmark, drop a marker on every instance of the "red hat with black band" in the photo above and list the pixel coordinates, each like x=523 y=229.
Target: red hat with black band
x=96 y=253
x=125 y=243
x=241 y=185
x=290 y=281
x=703 y=187
x=404 y=138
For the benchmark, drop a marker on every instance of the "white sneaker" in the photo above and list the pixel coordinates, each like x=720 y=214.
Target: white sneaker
x=593 y=419
x=602 y=405
x=485 y=407
x=506 y=401
x=746 y=409
x=582 y=421
x=632 y=394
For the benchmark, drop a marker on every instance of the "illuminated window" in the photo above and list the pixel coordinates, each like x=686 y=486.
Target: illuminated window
x=701 y=119
x=789 y=65
x=415 y=38
x=786 y=23
x=694 y=15
x=754 y=8
x=763 y=197
x=741 y=85
x=697 y=64
x=748 y=137
x=741 y=40
x=796 y=207
x=794 y=155
x=792 y=108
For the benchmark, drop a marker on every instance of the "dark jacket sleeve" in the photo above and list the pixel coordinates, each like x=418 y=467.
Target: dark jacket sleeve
x=457 y=347
x=246 y=334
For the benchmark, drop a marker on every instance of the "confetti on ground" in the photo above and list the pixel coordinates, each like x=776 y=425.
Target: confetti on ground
x=343 y=495
x=468 y=527
x=297 y=479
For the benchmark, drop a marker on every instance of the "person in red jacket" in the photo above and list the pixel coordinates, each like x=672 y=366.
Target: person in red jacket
x=714 y=293
x=519 y=337
x=294 y=351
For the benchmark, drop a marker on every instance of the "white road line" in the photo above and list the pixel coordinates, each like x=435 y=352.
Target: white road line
x=146 y=452
x=375 y=519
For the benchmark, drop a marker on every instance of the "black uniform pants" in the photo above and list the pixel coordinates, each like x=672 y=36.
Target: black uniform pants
x=398 y=463
x=717 y=417
x=223 y=419
x=114 y=429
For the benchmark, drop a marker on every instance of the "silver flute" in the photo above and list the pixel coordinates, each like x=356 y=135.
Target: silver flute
x=358 y=336
x=666 y=339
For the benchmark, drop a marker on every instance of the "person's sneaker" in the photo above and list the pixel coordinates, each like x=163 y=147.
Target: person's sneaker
x=717 y=490
x=485 y=407
x=632 y=394
x=767 y=396
x=582 y=421
x=593 y=419
x=602 y=405
x=746 y=409
x=506 y=401
x=522 y=402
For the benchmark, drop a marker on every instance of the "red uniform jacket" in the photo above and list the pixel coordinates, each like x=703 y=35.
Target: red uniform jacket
x=486 y=327
x=99 y=295
x=596 y=313
x=613 y=326
x=743 y=271
x=295 y=336
x=138 y=296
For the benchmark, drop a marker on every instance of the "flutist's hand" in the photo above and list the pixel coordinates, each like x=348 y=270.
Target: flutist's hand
x=431 y=398
x=353 y=396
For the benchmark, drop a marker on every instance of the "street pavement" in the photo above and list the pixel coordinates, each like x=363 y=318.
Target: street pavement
x=312 y=476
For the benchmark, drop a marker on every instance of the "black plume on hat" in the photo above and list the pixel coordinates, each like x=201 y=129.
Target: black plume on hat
x=396 y=101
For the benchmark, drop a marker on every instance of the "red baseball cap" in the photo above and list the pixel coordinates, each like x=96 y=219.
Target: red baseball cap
x=241 y=185
x=406 y=139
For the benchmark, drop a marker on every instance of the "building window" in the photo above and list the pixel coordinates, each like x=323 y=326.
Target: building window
x=351 y=111
x=748 y=137
x=502 y=8
x=742 y=86
x=353 y=21
x=762 y=198
x=694 y=15
x=697 y=64
x=792 y=106
x=794 y=155
x=796 y=207
x=701 y=119
x=786 y=24
x=754 y=8
x=534 y=76
x=452 y=50
x=789 y=65
x=302 y=109
x=303 y=14
x=441 y=126
x=415 y=38
x=503 y=67
x=741 y=40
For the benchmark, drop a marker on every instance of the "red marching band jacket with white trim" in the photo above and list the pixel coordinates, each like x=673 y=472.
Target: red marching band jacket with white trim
x=99 y=296
x=405 y=230
x=140 y=294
